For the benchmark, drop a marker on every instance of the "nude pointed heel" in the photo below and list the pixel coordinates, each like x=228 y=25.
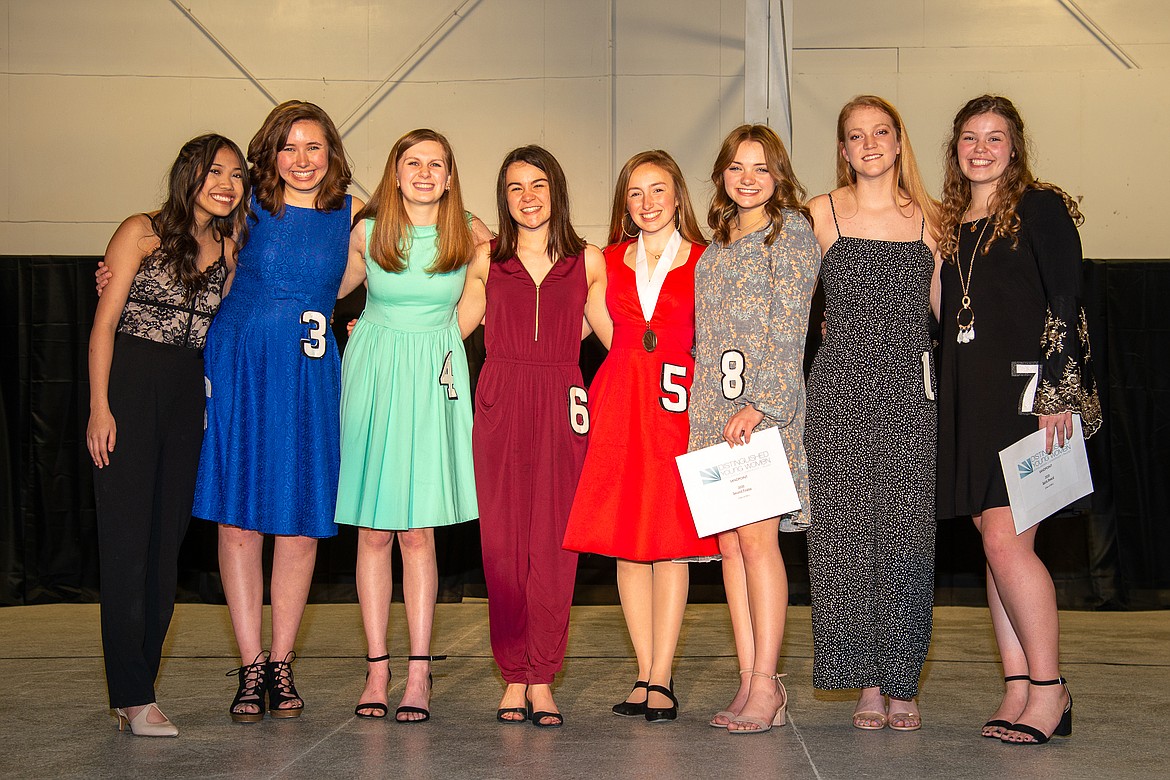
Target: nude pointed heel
x=140 y=727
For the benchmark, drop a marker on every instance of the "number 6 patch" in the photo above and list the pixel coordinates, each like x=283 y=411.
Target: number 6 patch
x=578 y=411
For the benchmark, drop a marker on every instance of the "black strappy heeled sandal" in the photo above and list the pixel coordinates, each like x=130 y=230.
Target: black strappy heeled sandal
x=631 y=709
x=1000 y=723
x=1063 y=728
x=281 y=688
x=407 y=709
x=379 y=708
x=250 y=691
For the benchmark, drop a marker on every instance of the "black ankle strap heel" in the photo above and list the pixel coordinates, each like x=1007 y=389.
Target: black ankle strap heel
x=407 y=709
x=1063 y=728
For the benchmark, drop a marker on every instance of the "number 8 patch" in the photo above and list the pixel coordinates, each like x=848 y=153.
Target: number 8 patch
x=732 y=365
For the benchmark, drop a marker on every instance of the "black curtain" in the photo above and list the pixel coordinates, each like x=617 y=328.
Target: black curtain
x=1112 y=552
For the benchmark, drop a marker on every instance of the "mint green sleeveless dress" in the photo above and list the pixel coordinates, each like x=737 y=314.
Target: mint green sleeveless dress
x=406 y=401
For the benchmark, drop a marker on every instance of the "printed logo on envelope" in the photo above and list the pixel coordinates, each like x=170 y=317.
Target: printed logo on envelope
x=710 y=475
x=1028 y=466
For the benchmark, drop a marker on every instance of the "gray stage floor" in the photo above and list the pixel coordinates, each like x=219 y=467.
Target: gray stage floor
x=55 y=725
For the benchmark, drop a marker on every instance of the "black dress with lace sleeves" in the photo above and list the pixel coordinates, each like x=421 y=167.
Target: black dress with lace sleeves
x=1066 y=375
x=1029 y=356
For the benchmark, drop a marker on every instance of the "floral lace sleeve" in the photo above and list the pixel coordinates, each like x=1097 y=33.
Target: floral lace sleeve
x=1066 y=375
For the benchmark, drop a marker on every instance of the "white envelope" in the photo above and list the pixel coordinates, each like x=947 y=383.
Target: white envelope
x=727 y=486
x=1041 y=483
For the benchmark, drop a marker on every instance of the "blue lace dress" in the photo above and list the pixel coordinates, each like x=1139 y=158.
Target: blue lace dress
x=273 y=380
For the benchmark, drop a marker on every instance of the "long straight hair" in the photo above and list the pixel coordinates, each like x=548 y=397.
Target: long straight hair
x=174 y=224
x=619 y=217
x=789 y=193
x=907 y=177
x=1016 y=180
x=391 y=238
x=271 y=138
x=563 y=240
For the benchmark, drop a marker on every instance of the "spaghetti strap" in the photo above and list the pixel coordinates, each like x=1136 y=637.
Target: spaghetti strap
x=834 y=210
x=922 y=230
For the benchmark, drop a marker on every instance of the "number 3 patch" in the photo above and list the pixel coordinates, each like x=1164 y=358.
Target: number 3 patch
x=314 y=345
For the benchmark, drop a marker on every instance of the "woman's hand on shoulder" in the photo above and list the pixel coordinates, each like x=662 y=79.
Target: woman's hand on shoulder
x=133 y=231
x=479 y=231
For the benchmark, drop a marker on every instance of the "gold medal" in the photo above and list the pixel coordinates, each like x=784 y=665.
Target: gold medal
x=649 y=340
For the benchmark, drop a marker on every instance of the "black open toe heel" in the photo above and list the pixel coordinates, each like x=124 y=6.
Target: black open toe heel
x=660 y=714
x=1000 y=723
x=537 y=717
x=379 y=709
x=1063 y=728
x=281 y=689
x=407 y=709
x=630 y=709
x=250 y=691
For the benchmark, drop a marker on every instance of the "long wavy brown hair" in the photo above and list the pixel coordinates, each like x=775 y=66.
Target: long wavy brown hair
x=1016 y=180
x=907 y=175
x=563 y=240
x=270 y=139
x=621 y=226
x=789 y=193
x=390 y=239
x=174 y=224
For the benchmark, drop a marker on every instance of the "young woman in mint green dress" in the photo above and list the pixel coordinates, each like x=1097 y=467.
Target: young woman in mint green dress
x=406 y=413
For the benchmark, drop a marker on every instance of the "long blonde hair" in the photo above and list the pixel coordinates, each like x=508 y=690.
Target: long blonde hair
x=907 y=176
x=391 y=237
x=789 y=193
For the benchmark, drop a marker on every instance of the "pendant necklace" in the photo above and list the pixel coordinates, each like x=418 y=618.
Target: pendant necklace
x=649 y=287
x=965 y=317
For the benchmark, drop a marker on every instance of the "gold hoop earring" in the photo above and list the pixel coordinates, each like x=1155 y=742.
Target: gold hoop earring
x=677 y=220
x=625 y=232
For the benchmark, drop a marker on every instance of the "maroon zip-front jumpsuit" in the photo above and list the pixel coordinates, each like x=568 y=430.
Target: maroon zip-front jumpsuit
x=529 y=440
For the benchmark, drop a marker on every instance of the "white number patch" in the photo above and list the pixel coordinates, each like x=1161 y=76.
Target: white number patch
x=927 y=386
x=578 y=410
x=314 y=345
x=447 y=378
x=732 y=365
x=675 y=398
x=1028 y=397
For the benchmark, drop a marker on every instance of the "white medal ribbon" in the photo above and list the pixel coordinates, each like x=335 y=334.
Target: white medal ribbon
x=649 y=288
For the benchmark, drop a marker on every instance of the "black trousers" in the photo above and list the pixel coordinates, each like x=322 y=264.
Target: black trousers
x=144 y=505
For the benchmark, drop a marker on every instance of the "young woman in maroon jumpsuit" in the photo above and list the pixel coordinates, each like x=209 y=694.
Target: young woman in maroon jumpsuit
x=531 y=420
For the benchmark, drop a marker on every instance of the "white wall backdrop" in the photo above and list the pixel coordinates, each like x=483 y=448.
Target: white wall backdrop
x=96 y=96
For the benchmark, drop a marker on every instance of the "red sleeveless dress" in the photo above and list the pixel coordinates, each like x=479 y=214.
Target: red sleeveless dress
x=630 y=502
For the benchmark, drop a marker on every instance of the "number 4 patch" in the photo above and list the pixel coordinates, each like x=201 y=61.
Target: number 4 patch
x=447 y=378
